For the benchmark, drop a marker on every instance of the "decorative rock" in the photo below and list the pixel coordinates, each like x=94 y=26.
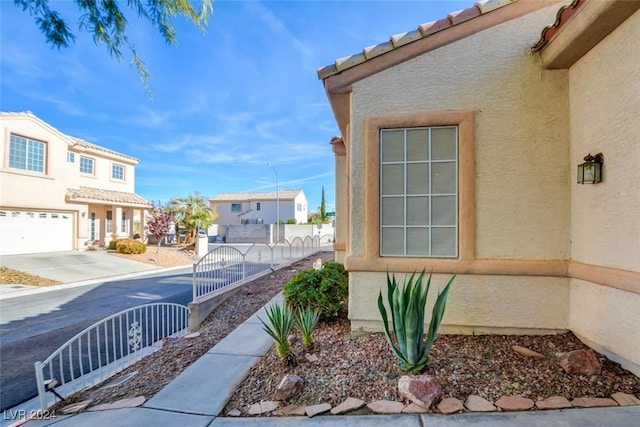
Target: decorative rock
x=311 y=357
x=526 y=352
x=192 y=335
x=386 y=407
x=291 y=410
x=580 y=362
x=421 y=389
x=553 y=402
x=450 y=405
x=592 y=402
x=514 y=403
x=234 y=413
x=314 y=410
x=478 y=404
x=167 y=341
x=124 y=403
x=74 y=408
x=288 y=387
x=262 y=407
x=292 y=339
x=351 y=404
x=625 y=399
x=414 y=408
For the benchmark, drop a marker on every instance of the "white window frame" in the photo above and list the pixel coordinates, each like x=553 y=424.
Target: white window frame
x=426 y=219
x=84 y=161
x=257 y=206
x=35 y=154
x=236 y=207
x=114 y=167
x=71 y=157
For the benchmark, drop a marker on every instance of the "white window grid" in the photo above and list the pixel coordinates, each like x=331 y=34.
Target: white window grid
x=27 y=154
x=117 y=172
x=429 y=194
x=86 y=165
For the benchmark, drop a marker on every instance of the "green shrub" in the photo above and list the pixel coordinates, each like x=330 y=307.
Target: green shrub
x=405 y=331
x=130 y=246
x=113 y=243
x=325 y=289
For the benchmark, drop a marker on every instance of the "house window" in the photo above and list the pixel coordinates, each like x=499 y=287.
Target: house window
x=117 y=172
x=123 y=224
x=86 y=165
x=299 y=207
x=27 y=154
x=71 y=157
x=257 y=206
x=109 y=222
x=419 y=192
x=236 y=207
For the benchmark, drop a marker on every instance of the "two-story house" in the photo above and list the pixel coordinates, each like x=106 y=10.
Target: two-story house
x=260 y=208
x=60 y=193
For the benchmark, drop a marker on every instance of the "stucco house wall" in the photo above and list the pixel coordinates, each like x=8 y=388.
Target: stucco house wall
x=287 y=202
x=532 y=87
x=521 y=180
x=605 y=218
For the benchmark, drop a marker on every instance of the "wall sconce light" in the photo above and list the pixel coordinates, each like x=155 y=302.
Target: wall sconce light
x=590 y=172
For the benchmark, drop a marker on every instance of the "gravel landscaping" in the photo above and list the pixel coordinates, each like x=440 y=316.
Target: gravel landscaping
x=341 y=366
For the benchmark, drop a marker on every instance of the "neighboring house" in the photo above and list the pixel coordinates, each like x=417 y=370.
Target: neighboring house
x=60 y=193
x=260 y=208
x=459 y=150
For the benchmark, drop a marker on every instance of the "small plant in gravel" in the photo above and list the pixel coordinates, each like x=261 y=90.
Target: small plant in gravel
x=407 y=306
x=306 y=321
x=324 y=289
x=281 y=320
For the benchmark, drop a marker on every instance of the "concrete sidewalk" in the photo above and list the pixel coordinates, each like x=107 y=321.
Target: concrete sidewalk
x=198 y=395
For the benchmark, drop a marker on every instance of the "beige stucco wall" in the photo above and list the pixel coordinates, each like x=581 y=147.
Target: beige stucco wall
x=608 y=320
x=605 y=117
x=605 y=218
x=525 y=304
x=522 y=181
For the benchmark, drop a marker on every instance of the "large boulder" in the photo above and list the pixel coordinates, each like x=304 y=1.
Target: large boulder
x=422 y=390
x=288 y=387
x=582 y=362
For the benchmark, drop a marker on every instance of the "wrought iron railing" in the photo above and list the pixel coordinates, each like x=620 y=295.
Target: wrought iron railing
x=107 y=347
x=227 y=265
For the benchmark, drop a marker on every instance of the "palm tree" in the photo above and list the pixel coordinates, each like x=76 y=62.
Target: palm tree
x=192 y=212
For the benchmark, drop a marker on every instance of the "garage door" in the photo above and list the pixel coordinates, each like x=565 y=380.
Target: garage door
x=24 y=232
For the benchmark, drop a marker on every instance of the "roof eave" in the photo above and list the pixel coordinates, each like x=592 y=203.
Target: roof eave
x=341 y=82
x=589 y=25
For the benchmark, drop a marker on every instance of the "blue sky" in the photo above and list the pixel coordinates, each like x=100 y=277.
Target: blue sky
x=224 y=103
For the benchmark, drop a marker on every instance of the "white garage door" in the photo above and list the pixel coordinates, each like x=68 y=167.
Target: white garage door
x=24 y=232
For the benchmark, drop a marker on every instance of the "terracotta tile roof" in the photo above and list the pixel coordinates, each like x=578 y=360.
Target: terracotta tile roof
x=245 y=197
x=423 y=31
x=97 y=195
x=85 y=144
x=562 y=17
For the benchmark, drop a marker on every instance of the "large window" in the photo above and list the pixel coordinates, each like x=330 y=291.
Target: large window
x=236 y=207
x=27 y=154
x=117 y=172
x=86 y=165
x=419 y=192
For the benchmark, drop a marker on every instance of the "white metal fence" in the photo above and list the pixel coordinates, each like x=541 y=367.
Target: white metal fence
x=107 y=347
x=226 y=265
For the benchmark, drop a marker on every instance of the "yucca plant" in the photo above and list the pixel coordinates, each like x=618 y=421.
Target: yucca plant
x=306 y=321
x=407 y=306
x=281 y=321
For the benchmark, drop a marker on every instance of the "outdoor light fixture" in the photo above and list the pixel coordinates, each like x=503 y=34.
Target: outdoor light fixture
x=590 y=172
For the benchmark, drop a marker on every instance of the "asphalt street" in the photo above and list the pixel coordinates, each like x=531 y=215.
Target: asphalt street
x=34 y=326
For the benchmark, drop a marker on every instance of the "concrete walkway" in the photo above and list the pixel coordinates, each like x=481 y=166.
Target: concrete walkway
x=198 y=395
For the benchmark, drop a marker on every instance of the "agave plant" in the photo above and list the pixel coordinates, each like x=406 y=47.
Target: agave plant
x=281 y=320
x=306 y=321
x=407 y=306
